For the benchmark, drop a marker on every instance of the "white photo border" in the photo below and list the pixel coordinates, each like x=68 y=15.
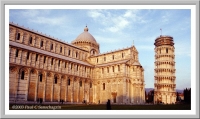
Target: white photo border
x=63 y=113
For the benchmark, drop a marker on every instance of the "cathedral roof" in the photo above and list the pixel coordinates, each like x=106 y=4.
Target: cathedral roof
x=33 y=49
x=85 y=37
x=43 y=35
x=112 y=63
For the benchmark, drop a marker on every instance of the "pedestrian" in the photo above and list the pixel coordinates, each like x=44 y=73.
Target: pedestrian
x=40 y=100
x=108 y=106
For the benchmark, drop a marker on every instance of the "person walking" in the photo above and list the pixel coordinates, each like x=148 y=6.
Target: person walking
x=108 y=106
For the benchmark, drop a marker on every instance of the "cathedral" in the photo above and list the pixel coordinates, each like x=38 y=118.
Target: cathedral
x=47 y=69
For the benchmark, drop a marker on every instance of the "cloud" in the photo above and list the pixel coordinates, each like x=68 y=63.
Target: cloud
x=95 y=14
x=119 y=24
x=115 y=21
x=48 y=20
x=29 y=13
x=128 y=13
x=107 y=40
x=34 y=13
x=131 y=13
x=165 y=17
x=136 y=16
x=40 y=16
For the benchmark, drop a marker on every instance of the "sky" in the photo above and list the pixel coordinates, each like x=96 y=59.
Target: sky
x=115 y=29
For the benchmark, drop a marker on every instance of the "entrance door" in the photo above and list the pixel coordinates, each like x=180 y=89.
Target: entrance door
x=114 y=99
x=114 y=95
x=86 y=97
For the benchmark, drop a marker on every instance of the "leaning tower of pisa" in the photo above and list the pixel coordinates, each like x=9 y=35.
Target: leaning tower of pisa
x=165 y=79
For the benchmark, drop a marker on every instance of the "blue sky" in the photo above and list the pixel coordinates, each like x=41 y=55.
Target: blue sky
x=115 y=29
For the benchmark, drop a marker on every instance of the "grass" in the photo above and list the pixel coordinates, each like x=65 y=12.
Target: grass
x=103 y=107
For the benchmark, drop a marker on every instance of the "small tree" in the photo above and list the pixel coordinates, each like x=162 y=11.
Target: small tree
x=151 y=96
x=187 y=95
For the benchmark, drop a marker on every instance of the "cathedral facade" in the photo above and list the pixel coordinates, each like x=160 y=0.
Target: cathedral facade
x=47 y=69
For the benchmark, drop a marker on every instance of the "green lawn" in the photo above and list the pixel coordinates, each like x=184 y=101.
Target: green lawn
x=103 y=107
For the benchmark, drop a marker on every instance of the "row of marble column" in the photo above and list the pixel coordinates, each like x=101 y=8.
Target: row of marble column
x=32 y=88
x=58 y=65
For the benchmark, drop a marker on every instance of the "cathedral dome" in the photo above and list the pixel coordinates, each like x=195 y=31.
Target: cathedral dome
x=85 y=37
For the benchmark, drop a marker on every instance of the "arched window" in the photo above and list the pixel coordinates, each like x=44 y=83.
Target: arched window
x=104 y=58
x=102 y=70
x=52 y=46
x=97 y=60
x=90 y=84
x=40 y=77
x=41 y=44
x=160 y=51
x=22 y=75
x=108 y=69
x=44 y=59
x=17 y=51
x=104 y=86
x=167 y=50
x=69 y=53
x=36 y=58
x=80 y=83
x=77 y=67
x=55 y=80
x=122 y=55
x=58 y=63
x=113 y=57
x=27 y=55
x=76 y=54
x=68 y=81
x=118 y=68
x=60 y=49
x=30 y=40
x=113 y=68
x=52 y=61
x=65 y=64
x=18 y=36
